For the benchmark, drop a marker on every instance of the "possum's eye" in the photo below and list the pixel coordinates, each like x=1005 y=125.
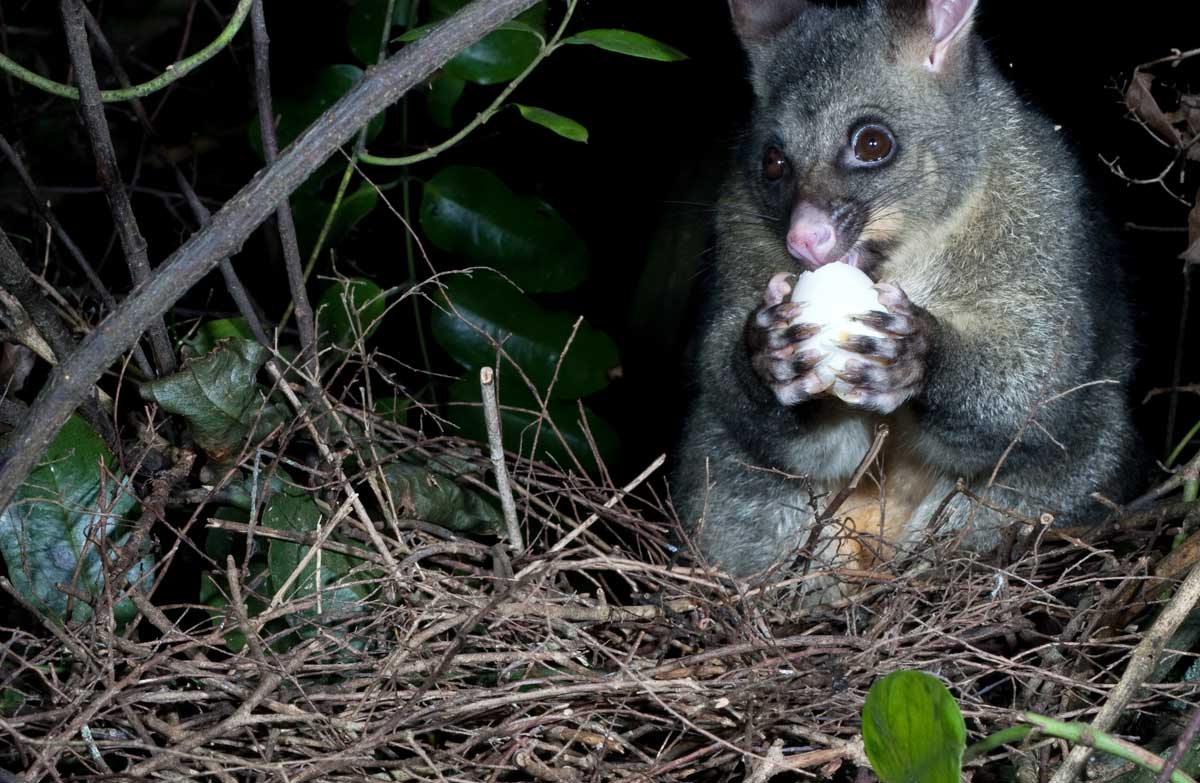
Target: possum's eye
x=774 y=164
x=872 y=144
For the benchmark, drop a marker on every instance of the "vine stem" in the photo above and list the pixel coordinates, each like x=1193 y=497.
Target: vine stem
x=1081 y=735
x=241 y=215
x=481 y=119
x=171 y=74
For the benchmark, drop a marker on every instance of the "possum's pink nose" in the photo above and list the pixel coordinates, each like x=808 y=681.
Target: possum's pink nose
x=812 y=237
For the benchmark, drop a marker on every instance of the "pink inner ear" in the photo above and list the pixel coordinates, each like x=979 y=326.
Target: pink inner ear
x=947 y=17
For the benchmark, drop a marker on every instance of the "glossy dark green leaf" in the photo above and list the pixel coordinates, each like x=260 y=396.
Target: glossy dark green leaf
x=218 y=397
x=349 y=308
x=913 y=731
x=563 y=126
x=532 y=336
x=470 y=213
x=49 y=531
x=516 y=25
x=310 y=213
x=341 y=592
x=501 y=55
x=214 y=595
x=628 y=43
x=439 y=500
x=364 y=28
x=520 y=418
x=442 y=97
x=210 y=333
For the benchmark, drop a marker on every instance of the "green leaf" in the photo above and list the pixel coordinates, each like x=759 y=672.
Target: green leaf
x=213 y=596
x=294 y=115
x=349 y=308
x=416 y=33
x=212 y=332
x=629 y=43
x=521 y=27
x=364 y=28
x=11 y=700
x=437 y=499
x=563 y=126
x=532 y=336
x=912 y=730
x=443 y=95
x=218 y=397
x=341 y=592
x=310 y=213
x=470 y=213
x=499 y=56
x=50 y=530
x=519 y=419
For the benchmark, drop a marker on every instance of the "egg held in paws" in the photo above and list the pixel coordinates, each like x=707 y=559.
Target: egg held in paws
x=830 y=297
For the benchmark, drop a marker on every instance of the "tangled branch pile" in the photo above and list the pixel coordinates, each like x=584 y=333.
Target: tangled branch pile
x=591 y=656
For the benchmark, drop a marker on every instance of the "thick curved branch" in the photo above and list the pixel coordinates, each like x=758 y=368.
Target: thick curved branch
x=381 y=87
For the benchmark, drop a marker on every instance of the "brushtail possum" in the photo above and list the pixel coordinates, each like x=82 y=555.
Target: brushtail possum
x=884 y=138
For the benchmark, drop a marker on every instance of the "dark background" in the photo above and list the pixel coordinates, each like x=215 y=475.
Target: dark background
x=639 y=192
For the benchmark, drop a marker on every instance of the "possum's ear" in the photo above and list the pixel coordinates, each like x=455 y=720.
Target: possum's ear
x=757 y=21
x=949 y=26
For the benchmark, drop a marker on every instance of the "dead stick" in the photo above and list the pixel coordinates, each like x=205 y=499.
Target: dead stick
x=491 y=413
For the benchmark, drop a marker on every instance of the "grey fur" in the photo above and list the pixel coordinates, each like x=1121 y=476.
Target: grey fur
x=1000 y=245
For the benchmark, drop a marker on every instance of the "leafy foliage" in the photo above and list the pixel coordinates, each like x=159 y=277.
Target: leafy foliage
x=563 y=126
x=501 y=55
x=67 y=512
x=349 y=308
x=296 y=571
x=218 y=397
x=628 y=43
x=470 y=213
x=912 y=730
x=488 y=311
x=310 y=212
x=435 y=497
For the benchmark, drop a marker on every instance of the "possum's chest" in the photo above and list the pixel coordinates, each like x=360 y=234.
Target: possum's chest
x=878 y=512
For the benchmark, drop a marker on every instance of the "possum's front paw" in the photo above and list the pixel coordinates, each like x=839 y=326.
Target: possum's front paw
x=773 y=340
x=891 y=369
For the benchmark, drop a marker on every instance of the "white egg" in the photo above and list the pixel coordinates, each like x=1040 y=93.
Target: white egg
x=830 y=297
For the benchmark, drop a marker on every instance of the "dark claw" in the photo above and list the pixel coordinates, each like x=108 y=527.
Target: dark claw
x=771 y=315
x=886 y=322
x=796 y=333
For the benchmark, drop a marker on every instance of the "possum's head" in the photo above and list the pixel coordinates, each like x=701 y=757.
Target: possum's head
x=866 y=129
